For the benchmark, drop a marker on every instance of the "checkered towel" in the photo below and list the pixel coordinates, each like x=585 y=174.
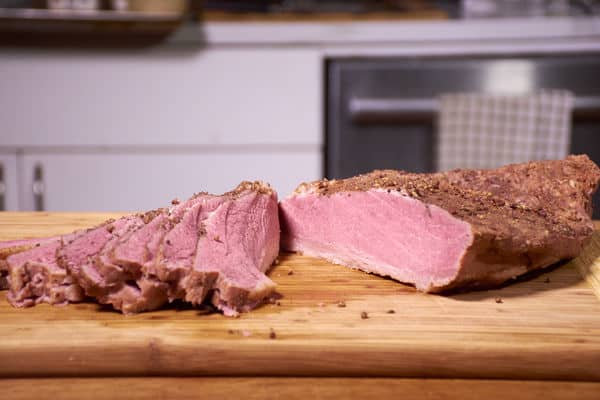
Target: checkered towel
x=487 y=131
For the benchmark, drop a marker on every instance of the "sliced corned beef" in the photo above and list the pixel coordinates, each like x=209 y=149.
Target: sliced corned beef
x=176 y=251
x=153 y=258
x=141 y=246
x=133 y=252
x=462 y=228
x=11 y=247
x=77 y=255
x=36 y=277
x=238 y=242
x=98 y=273
x=138 y=262
x=179 y=246
x=112 y=283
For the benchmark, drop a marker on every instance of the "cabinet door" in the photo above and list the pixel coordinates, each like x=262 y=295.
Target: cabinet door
x=9 y=191
x=140 y=181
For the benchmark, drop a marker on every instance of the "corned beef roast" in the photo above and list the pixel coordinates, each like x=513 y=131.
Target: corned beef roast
x=463 y=228
x=216 y=247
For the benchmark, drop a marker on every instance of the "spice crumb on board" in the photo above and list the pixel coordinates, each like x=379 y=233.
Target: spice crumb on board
x=272 y=334
x=341 y=304
x=391 y=311
x=498 y=300
x=278 y=303
x=364 y=315
x=290 y=272
x=230 y=331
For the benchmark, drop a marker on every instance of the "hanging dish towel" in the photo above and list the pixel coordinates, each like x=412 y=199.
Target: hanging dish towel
x=487 y=131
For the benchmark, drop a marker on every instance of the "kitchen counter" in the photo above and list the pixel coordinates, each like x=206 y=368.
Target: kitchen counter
x=493 y=35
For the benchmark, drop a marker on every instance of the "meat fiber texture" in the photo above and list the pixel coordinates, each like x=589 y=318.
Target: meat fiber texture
x=207 y=247
x=11 y=247
x=459 y=229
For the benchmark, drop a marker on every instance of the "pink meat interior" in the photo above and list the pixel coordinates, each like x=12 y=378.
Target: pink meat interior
x=385 y=233
x=240 y=240
x=240 y=243
x=25 y=242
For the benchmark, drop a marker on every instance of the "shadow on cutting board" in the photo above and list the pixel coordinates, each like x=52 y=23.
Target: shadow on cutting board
x=586 y=267
x=556 y=276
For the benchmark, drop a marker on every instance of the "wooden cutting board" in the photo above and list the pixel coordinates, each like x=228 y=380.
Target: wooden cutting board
x=543 y=327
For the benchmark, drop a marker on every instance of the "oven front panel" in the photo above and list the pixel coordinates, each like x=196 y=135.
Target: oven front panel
x=381 y=112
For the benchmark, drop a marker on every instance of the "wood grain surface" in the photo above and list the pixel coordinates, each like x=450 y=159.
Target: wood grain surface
x=544 y=327
x=294 y=388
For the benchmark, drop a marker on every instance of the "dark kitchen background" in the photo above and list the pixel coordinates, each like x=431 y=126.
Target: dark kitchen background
x=120 y=105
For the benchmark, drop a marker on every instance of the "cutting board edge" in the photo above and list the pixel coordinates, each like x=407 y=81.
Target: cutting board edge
x=265 y=358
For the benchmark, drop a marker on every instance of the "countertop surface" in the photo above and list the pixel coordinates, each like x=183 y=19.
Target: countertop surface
x=453 y=36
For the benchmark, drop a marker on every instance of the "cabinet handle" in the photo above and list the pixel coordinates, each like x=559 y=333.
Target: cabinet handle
x=2 y=189
x=38 y=188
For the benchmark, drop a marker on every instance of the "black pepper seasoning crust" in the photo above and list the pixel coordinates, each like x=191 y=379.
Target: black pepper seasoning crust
x=519 y=207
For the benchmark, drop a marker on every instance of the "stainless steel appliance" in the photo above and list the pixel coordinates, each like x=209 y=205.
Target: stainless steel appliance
x=381 y=112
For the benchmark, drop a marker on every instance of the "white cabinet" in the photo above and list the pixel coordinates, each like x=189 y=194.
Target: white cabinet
x=160 y=96
x=111 y=181
x=9 y=188
x=119 y=130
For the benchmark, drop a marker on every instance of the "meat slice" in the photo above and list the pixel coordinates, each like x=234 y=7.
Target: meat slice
x=111 y=283
x=11 y=247
x=178 y=251
x=97 y=273
x=238 y=242
x=36 y=277
x=153 y=257
x=139 y=262
x=128 y=289
x=175 y=253
x=141 y=247
x=460 y=229
x=77 y=255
